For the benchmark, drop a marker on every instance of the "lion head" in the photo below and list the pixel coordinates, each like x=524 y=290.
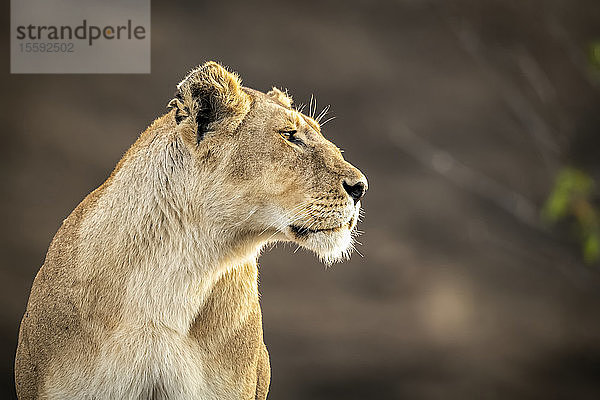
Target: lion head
x=276 y=176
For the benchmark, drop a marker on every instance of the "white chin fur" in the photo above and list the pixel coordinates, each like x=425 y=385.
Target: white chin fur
x=330 y=247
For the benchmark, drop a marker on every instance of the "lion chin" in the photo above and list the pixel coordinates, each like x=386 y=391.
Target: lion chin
x=332 y=244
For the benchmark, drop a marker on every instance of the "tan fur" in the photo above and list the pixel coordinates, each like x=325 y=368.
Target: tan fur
x=282 y=98
x=149 y=288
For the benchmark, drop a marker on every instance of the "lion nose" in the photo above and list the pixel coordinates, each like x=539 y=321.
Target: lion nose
x=356 y=190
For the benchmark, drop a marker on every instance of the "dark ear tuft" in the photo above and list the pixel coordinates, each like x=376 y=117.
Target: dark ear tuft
x=209 y=93
x=206 y=112
x=181 y=110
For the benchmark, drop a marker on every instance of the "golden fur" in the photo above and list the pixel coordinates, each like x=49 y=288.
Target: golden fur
x=149 y=288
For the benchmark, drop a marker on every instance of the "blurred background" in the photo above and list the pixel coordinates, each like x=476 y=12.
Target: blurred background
x=477 y=124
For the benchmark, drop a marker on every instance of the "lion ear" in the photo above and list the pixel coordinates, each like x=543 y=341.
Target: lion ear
x=209 y=94
x=282 y=98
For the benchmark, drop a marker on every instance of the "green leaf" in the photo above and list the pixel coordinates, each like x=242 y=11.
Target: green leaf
x=594 y=55
x=591 y=248
x=570 y=183
x=572 y=197
x=556 y=207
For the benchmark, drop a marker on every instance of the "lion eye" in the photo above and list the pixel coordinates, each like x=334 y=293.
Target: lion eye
x=289 y=135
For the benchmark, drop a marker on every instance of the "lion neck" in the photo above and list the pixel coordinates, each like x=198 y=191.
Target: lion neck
x=166 y=254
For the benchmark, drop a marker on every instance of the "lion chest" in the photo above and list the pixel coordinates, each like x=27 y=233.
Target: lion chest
x=144 y=364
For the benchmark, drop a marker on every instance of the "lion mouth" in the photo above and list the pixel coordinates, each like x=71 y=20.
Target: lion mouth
x=301 y=231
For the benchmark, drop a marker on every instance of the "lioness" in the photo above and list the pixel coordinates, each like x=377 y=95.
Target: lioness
x=149 y=288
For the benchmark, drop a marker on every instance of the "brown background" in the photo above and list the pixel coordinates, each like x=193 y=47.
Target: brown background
x=459 y=112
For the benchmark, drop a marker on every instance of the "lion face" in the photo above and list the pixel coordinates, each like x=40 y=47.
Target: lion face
x=289 y=182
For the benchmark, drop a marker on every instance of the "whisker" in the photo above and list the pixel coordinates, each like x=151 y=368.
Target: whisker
x=297 y=212
x=281 y=219
x=327 y=120
x=323 y=113
x=250 y=214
